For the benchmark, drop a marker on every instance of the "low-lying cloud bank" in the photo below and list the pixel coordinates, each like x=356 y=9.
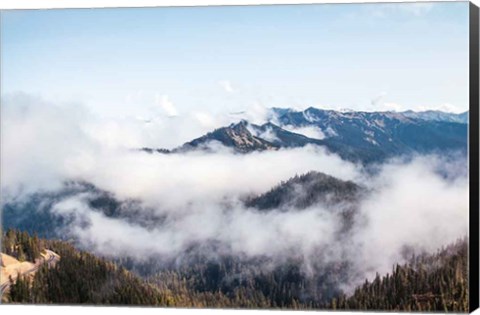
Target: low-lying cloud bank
x=44 y=144
x=410 y=205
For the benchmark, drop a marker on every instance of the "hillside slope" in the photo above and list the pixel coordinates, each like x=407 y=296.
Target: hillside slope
x=375 y=136
x=428 y=283
x=306 y=190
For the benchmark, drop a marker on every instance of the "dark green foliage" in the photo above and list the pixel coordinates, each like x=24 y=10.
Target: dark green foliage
x=78 y=278
x=241 y=290
x=306 y=190
x=150 y=151
x=35 y=214
x=130 y=210
x=427 y=283
x=20 y=290
x=22 y=246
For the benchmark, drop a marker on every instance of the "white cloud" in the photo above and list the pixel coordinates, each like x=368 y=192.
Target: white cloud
x=268 y=135
x=391 y=107
x=410 y=205
x=40 y=141
x=377 y=99
x=446 y=107
x=207 y=120
x=227 y=86
x=166 y=105
x=313 y=132
x=226 y=173
x=56 y=142
x=416 y=8
x=199 y=194
x=256 y=113
x=385 y=10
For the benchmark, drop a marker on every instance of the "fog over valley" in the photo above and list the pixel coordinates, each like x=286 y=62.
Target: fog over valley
x=302 y=157
x=119 y=201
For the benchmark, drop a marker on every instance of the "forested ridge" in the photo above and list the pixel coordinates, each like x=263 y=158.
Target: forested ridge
x=306 y=190
x=436 y=282
x=78 y=278
x=428 y=282
x=22 y=246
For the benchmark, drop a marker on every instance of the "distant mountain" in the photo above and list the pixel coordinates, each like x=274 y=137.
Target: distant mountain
x=374 y=136
x=236 y=136
x=429 y=115
x=364 y=137
x=36 y=213
x=244 y=137
x=435 y=115
x=280 y=137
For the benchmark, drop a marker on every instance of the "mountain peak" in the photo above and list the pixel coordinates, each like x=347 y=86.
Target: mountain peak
x=239 y=126
x=303 y=191
x=236 y=136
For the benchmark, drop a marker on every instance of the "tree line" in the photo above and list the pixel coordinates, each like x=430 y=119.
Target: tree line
x=427 y=283
x=437 y=282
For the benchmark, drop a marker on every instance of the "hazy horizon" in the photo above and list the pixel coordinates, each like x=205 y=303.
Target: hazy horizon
x=172 y=61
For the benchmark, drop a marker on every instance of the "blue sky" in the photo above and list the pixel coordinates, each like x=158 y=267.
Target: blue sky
x=126 y=61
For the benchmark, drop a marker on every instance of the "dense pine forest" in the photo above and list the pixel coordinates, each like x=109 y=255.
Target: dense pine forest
x=78 y=278
x=22 y=246
x=436 y=282
x=428 y=282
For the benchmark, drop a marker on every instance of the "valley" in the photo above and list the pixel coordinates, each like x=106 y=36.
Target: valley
x=311 y=232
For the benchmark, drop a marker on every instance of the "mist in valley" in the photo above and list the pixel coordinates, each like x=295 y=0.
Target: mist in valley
x=175 y=204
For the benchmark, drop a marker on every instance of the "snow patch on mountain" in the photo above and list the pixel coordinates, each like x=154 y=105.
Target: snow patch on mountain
x=309 y=117
x=330 y=132
x=268 y=134
x=312 y=132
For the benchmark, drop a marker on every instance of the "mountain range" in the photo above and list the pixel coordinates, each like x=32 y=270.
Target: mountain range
x=364 y=137
x=195 y=277
x=36 y=214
